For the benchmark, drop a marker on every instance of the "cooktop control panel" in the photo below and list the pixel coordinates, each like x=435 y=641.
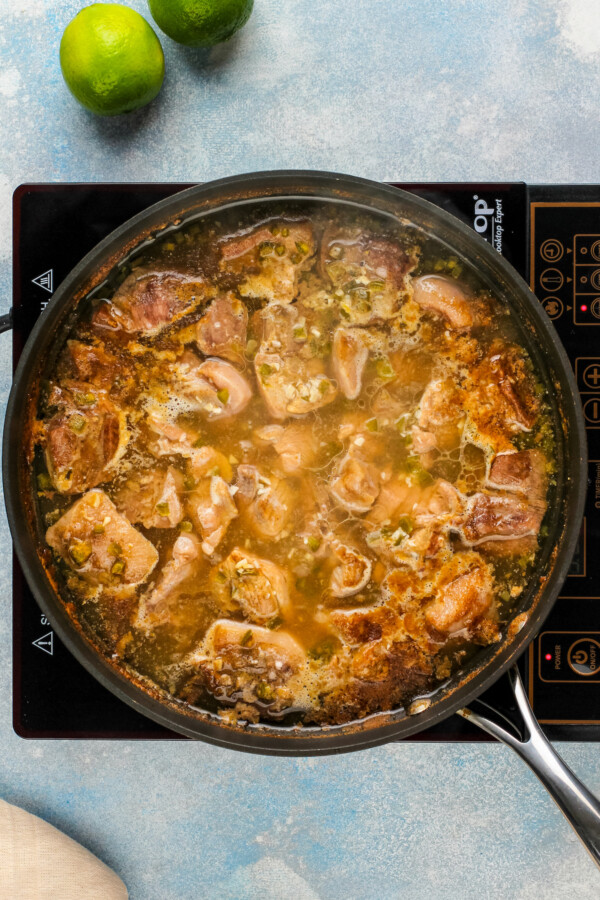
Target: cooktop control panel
x=550 y=233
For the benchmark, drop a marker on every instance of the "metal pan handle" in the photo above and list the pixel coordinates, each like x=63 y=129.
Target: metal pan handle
x=572 y=797
x=6 y=322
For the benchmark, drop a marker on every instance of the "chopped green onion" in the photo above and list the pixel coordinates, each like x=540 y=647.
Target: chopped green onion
x=314 y=543
x=251 y=348
x=372 y=425
x=246 y=638
x=279 y=249
x=285 y=232
x=323 y=651
x=199 y=442
x=223 y=395
x=98 y=528
x=162 y=508
x=114 y=549
x=186 y=525
x=80 y=552
x=265 y=370
x=189 y=483
x=265 y=691
x=44 y=482
x=118 y=568
x=77 y=423
x=265 y=249
x=302 y=247
x=384 y=368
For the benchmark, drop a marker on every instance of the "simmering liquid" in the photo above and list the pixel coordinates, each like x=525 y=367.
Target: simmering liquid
x=294 y=467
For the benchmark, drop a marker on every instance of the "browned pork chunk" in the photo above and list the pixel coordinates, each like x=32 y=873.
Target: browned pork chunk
x=85 y=438
x=100 y=545
x=152 y=498
x=371 y=272
x=269 y=259
x=295 y=444
x=222 y=329
x=214 y=386
x=492 y=517
x=444 y=297
x=355 y=485
x=183 y=564
x=147 y=302
x=523 y=472
x=349 y=356
x=212 y=509
x=255 y=586
x=266 y=503
x=465 y=593
x=351 y=573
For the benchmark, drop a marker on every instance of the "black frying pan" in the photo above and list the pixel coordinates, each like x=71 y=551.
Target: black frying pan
x=563 y=519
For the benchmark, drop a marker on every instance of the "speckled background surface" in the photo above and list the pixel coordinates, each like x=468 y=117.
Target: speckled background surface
x=459 y=89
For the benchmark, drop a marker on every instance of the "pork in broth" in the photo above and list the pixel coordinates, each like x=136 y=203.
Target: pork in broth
x=294 y=468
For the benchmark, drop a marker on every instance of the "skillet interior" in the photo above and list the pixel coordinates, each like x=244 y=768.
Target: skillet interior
x=538 y=336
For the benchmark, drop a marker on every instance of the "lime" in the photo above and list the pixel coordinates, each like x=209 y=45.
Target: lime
x=200 y=23
x=111 y=59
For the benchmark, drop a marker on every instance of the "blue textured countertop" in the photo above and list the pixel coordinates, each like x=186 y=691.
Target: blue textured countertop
x=391 y=90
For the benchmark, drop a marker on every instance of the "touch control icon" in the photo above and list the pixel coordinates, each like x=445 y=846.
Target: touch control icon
x=554 y=307
x=583 y=656
x=551 y=279
x=591 y=376
x=552 y=250
x=591 y=411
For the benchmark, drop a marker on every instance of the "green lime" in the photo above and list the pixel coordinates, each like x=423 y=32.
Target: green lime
x=111 y=59
x=200 y=23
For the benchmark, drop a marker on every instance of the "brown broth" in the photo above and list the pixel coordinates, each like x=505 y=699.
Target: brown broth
x=439 y=401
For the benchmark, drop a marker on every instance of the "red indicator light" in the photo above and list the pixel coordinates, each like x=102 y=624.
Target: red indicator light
x=548 y=656
x=583 y=307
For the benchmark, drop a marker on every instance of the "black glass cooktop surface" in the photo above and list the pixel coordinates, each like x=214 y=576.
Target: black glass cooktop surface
x=550 y=233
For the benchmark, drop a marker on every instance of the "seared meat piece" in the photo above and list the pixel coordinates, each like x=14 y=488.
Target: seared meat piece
x=349 y=357
x=147 y=302
x=351 y=574
x=215 y=386
x=206 y=461
x=356 y=484
x=85 y=438
x=94 y=364
x=222 y=329
x=441 y=417
x=266 y=503
x=257 y=587
x=444 y=297
x=500 y=395
x=183 y=565
x=244 y=665
x=372 y=272
x=512 y=514
x=365 y=624
x=212 y=509
x=464 y=593
x=492 y=516
x=100 y=545
x=292 y=386
x=295 y=444
x=167 y=438
x=524 y=472
x=439 y=503
x=152 y=498
x=270 y=259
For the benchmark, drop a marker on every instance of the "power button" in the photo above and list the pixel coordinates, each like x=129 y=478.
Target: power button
x=569 y=656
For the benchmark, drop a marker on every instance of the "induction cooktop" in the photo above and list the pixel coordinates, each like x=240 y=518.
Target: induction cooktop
x=551 y=234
